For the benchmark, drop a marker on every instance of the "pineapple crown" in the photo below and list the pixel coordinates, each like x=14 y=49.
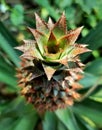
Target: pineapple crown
x=54 y=46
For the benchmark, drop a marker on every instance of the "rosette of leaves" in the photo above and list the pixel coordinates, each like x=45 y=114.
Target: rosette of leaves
x=50 y=65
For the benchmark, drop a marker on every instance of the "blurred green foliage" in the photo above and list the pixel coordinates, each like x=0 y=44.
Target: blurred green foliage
x=15 y=112
x=17 y=15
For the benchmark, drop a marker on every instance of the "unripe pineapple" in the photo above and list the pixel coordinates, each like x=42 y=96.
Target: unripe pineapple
x=50 y=65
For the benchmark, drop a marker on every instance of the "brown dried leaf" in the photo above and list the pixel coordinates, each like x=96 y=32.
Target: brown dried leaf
x=72 y=35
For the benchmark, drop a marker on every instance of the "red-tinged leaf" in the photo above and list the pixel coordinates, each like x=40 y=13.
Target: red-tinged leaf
x=52 y=44
x=40 y=38
x=60 y=27
x=35 y=32
x=79 y=49
x=41 y=25
x=31 y=53
x=28 y=44
x=72 y=35
x=27 y=55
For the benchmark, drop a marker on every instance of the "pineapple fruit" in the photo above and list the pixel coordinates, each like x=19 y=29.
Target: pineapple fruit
x=50 y=65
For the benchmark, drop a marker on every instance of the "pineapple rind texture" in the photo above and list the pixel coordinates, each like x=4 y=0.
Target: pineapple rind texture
x=50 y=65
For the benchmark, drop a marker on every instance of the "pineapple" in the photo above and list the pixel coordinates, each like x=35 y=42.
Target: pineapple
x=50 y=65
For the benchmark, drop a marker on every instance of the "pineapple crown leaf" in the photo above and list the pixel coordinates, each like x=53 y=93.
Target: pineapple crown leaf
x=40 y=24
x=79 y=49
x=72 y=35
x=60 y=27
x=53 y=43
x=49 y=71
x=50 y=23
x=40 y=38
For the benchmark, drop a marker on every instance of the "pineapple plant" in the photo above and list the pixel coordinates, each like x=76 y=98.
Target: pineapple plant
x=50 y=65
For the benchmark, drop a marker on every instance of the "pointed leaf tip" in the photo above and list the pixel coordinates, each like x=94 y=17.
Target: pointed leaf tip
x=40 y=24
x=72 y=35
x=40 y=38
x=79 y=49
x=49 y=71
x=50 y=23
x=60 y=27
x=52 y=37
x=63 y=14
x=30 y=29
x=20 y=48
x=35 y=32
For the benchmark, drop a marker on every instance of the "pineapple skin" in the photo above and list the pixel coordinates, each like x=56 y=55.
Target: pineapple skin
x=50 y=65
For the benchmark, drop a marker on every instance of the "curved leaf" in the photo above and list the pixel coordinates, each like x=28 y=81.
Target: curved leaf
x=95 y=67
x=6 y=41
x=93 y=39
x=89 y=80
x=7 y=78
x=50 y=121
x=90 y=109
x=67 y=118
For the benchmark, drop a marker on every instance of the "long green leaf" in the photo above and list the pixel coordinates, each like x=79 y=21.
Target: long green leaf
x=50 y=119
x=95 y=67
x=9 y=50
x=89 y=80
x=90 y=109
x=67 y=118
x=5 y=32
x=6 y=66
x=83 y=124
x=6 y=41
x=28 y=122
x=61 y=126
x=97 y=95
x=93 y=39
x=7 y=78
x=17 y=115
x=7 y=123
